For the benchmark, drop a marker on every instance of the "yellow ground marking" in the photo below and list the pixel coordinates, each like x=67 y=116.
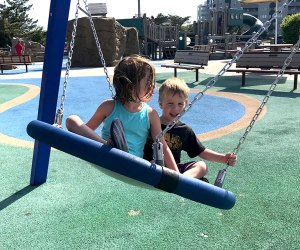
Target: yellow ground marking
x=32 y=92
x=250 y=104
x=15 y=142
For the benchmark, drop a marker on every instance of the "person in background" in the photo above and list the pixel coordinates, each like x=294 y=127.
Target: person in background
x=19 y=48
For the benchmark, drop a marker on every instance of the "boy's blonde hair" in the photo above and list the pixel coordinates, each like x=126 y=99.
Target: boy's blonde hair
x=174 y=86
x=128 y=74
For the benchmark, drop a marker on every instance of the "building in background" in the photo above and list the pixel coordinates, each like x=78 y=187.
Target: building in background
x=264 y=11
x=228 y=13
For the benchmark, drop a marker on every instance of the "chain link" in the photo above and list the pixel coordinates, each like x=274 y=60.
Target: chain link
x=227 y=66
x=287 y=61
x=99 y=47
x=60 y=111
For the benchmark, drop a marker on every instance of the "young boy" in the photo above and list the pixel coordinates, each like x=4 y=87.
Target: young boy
x=173 y=98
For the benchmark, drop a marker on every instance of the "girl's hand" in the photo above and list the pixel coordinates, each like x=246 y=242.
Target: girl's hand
x=231 y=159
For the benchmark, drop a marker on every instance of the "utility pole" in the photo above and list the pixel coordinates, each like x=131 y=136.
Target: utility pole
x=139 y=8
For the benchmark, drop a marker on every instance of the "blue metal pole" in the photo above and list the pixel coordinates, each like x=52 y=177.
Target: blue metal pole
x=54 y=51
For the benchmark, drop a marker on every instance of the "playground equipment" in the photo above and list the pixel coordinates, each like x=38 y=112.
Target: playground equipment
x=156 y=41
x=223 y=27
x=254 y=24
x=104 y=156
x=96 y=153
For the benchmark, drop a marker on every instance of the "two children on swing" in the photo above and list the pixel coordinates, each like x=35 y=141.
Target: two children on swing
x=127 y=118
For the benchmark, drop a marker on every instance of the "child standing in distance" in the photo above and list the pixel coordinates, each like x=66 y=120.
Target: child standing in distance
x=19 y=48
x=173 y=98
x=134 y=84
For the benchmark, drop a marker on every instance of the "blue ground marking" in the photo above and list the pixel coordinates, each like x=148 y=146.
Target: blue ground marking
x=84 y=94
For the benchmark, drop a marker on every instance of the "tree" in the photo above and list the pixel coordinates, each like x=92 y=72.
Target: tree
x=189 y=28
x=161 y=19
x=37 y=35
x=4 y=40
x=17 y=23
x=179 y=21
x=290 y=28
x=173 y=20
x=16 y=20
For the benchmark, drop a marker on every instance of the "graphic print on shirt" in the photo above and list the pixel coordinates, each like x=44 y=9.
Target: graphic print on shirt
x=173 y=141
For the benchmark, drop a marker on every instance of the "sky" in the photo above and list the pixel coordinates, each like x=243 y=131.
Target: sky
x=121 y=8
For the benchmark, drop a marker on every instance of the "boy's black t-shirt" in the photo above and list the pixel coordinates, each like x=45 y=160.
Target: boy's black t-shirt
x=180 y=137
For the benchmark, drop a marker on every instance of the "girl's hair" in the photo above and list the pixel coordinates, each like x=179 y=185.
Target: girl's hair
x=128 y=74
x=174 y=86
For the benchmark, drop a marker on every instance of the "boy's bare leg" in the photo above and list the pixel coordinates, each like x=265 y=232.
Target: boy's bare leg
x=198 y=170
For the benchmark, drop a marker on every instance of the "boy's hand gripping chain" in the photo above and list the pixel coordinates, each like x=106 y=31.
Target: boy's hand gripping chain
x=222 y=173
x=158 y=153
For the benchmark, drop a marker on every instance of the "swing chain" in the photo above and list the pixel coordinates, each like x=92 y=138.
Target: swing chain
x=222 y=173
x=60 y=111
x=227 y=66
x=99 y=47
x=287 y=61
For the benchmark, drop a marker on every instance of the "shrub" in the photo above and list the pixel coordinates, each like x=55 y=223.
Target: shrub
x=290 y=27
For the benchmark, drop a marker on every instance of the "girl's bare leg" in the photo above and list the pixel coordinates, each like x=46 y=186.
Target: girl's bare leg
x=77 y=126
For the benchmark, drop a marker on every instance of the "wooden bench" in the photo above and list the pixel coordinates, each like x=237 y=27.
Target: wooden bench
x=267 y=63
x=15 y=60
x=209 y=48
x=260 y=71
x=189 y=60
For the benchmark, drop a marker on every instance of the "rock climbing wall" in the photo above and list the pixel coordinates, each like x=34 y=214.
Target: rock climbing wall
x=116 y=42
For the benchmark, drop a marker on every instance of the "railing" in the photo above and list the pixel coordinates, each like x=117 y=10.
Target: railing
x=159 y=33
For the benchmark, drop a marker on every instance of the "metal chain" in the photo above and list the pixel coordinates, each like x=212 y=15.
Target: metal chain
x=227 y=66
x=287 y=61
x=60 y=111
x=99 y=47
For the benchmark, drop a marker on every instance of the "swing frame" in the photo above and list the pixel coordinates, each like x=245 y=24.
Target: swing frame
x=41 y=130
x=58 y=14
x=47 y=136
x=54 y=52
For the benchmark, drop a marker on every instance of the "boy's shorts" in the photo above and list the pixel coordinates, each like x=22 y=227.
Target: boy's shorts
x=182 y=167
x=185 y=166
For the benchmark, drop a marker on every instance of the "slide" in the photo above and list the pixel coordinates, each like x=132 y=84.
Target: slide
x=252 y=22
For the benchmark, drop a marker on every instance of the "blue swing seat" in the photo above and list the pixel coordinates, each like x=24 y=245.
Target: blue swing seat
x=131 y=167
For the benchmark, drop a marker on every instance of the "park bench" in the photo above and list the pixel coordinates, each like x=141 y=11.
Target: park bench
x=267 y=63
x=208 y=48
x=189 y=60
x=15 y=60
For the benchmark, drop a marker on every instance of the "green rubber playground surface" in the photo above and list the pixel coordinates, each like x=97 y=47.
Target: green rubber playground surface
x=81 y=208
x=10 y=92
